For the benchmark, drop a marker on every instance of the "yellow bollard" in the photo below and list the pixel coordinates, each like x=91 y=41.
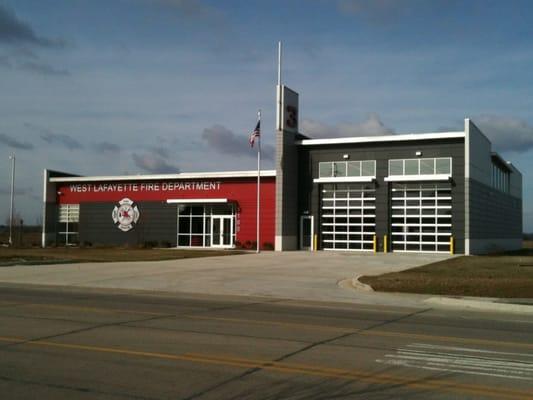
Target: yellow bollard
x=385 y=243
x=315 y=241
x=452 y=245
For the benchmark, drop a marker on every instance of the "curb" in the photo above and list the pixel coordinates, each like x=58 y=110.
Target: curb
x=481 y=305
x=360 y=285
x=354 y=284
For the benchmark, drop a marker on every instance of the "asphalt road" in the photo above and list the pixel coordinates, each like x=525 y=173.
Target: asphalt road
x=84 y=344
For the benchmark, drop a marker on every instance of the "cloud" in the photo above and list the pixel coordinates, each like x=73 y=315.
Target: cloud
x=5 y=62
x=19 y=41
x=41 y=68
x=188 y=8
x=376 y=10
x=225 y=141
x=29 y=63
x=14 y=31
x=372 y=126
x=160 y=151
x=14 y=143
x=106 y=148
x=154 y=164
x=506 y=133
x=194 y=13
x=61 y=139
x=55 y=138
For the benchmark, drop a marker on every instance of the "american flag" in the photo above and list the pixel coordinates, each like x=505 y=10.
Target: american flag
x=255 y=134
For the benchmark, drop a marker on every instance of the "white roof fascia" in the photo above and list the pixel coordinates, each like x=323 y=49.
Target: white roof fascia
x=411 y=178
x=387 y=138
x=345 y=179
x=184 y=175
x=194 y=201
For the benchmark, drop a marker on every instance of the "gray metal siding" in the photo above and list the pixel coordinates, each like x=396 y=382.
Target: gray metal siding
x=286 y=188
x=493 y=214
x=50 y=223
x=157 y=223
x=309 y=191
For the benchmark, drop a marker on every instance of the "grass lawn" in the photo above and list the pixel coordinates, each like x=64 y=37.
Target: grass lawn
x=507 y=276
x=11 y=256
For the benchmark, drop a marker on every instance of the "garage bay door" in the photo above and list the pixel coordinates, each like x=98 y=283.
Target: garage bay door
x=421 y=217
x=348 y=216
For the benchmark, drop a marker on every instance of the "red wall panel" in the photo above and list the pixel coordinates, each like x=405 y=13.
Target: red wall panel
x=241 y=191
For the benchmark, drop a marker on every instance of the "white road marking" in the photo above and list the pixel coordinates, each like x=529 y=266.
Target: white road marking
x=460 y=371
x=463 y=360
x=466 y=349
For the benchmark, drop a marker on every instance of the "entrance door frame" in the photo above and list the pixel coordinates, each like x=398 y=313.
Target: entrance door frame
x=221 y=218
x=312 y=233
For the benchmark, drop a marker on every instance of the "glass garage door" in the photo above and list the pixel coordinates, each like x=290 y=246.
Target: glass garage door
x=421 y=217
x=348 y=217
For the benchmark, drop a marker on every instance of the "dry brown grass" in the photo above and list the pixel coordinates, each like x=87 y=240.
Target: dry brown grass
x=36 y=255
x=26 y=238
x=507 y=276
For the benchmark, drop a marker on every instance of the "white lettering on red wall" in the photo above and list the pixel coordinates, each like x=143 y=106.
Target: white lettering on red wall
x=143 y=187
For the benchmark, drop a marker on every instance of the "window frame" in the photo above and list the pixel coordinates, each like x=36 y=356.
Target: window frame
x=334 y=164
x=68 y=214
x=419 y=163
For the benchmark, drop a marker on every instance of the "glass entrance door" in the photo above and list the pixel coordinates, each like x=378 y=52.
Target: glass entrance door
x=221 y=231
x=306 y=232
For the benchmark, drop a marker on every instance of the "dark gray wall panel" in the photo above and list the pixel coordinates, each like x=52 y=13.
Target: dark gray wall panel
x=286 y=190
x=50 y=223
x=493 y=214
x=157 y=223
x=309 y=192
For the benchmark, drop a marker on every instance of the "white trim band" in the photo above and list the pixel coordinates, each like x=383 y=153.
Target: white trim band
x=184 y=175
x=417 y=178
x=196 y=201
x=387 y=138
x=363 y=179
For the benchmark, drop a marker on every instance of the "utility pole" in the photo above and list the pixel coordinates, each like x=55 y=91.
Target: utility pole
x=12 y=158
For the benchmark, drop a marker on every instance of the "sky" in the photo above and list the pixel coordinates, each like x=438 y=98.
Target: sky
x=159 y=86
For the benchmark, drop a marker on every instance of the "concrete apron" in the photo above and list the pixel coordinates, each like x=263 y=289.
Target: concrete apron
x=314 y=276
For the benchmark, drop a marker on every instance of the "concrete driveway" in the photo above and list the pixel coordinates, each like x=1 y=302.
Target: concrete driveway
x=290 y=275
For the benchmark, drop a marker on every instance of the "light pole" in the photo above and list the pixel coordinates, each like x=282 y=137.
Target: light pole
x=12 y=158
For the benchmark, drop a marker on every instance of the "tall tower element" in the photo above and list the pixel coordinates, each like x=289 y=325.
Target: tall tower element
x=286 y=166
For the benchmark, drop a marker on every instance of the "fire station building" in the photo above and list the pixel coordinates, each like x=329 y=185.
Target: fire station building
x=190 y=210
x=415 y=192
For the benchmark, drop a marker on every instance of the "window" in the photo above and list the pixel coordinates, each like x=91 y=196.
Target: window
x=427 y=166
x=396 y=167
x=500 y=178
x=339 y=169
x=411 y=167
x=325 y=169
x=343 y=169
x=443 y=166
x=354 y=168
x=194 y=223
x=69 y=218
x=421 y=166
x=368 y=168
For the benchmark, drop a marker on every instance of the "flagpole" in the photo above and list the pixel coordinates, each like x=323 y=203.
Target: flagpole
x=258 y=184
x=279 y=63
x=11 y=208
x=278 y=111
